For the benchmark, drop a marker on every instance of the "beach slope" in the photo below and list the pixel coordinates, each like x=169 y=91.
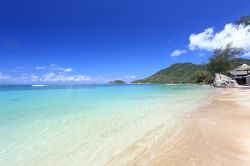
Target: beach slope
x=218 y=134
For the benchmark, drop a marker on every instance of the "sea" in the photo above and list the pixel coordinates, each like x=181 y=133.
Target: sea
x=88 y=125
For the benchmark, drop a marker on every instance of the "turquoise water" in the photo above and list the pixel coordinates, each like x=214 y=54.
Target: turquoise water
x=86 y=125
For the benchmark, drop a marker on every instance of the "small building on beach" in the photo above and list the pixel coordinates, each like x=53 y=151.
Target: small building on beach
x=241 y=74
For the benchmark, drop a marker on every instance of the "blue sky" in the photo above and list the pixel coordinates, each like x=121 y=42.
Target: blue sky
x=101 y=40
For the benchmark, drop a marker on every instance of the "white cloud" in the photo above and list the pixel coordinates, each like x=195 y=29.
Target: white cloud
x=52 y=77
x=49 y=77
x=201 y=54
x=210 y=40
x=178 y=52
x=40 y=67
x=58 y=68
x=130 y=77
x=34 y=78
x=4 y=77
x=67 y=70
x=247 y=54
x=54 y=67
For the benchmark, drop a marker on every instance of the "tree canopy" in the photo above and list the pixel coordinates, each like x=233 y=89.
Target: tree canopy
x=221 y=61
x=201 y=77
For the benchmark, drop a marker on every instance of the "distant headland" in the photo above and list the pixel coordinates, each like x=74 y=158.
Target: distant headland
x=117 y=82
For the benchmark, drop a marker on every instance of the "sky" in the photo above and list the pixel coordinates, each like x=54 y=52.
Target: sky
x=95 y=41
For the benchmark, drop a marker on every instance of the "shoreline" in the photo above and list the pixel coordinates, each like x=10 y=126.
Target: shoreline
x=216 y=134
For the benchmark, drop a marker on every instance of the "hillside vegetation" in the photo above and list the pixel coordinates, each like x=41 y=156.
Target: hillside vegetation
x=117 y=82
x=184 y=73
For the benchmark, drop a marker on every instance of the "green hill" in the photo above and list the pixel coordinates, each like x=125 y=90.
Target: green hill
x=182 y=73
x=177 y=73
x=117 y=82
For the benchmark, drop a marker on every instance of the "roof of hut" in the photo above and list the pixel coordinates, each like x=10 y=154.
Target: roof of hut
x=242 y=70
x=243 y=67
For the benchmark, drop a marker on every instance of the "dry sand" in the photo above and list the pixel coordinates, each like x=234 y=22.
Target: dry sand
x=218 y=134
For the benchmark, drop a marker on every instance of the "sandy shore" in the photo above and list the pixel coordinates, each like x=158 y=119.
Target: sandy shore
x=218 y=134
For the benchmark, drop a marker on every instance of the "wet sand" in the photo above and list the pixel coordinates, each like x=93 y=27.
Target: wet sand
x=217 y=134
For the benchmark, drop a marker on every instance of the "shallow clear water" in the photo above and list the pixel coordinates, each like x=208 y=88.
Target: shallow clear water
x=86 y=125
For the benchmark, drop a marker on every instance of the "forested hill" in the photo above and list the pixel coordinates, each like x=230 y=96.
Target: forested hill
x=182 y=73
x=177 y=73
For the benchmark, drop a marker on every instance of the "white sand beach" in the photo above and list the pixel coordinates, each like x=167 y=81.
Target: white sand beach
x=217 y=134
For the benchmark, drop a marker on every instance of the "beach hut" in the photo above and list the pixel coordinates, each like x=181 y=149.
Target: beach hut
x=243 y=67
x=241 y=74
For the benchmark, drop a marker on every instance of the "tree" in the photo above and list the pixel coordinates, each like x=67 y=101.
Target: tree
x=201 y=76
x=221 y=61
x=244 y=20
